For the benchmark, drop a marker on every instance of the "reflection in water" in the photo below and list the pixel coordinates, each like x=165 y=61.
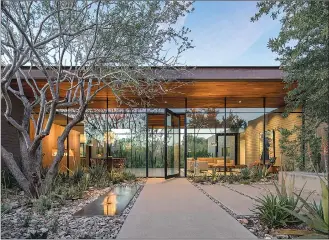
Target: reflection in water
x=110 y=204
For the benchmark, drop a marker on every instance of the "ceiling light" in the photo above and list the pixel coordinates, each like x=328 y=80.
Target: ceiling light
x=240 y=101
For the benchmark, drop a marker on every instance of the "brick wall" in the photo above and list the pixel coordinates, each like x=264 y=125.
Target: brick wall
x=9 y=135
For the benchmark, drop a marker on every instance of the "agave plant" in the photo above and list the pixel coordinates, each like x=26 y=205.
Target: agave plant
x=313 y=218
x=245 y=173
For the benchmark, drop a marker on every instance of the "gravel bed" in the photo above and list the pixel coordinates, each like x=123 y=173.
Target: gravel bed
x=251 y=222
x=58 y=222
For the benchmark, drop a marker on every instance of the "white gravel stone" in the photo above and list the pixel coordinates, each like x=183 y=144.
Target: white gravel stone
x=67 y=226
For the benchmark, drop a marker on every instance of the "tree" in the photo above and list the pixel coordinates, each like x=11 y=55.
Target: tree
x=302 y=47
x=79 y=48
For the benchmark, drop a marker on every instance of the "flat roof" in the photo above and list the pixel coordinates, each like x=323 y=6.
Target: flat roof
x=198 y=73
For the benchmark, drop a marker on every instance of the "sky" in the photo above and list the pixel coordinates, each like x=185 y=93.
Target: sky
x=223 y=35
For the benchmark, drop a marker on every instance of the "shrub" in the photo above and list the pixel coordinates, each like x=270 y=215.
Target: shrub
x=314 y=217
x=7 y=179
x=255 y=173
x=199 y=179
x=77 y=174
x=245 y=173
x=97 y=172
x=129 y=176
x=232 y=178
x=42 y=204
x=318 y=209
x=214 y=176
x=270 y=211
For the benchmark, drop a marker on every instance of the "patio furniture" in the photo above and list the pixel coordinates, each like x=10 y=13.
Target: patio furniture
x=201 y=166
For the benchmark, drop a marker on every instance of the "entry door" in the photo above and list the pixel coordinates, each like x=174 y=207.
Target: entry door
x=231 y=146
x=172 y=144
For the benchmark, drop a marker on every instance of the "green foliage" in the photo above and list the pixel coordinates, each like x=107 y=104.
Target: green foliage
x=325 y=200
x=200 y=178
x=315 y=216
x=256 y=173
x=318 y=209
x=302 y=48
x=214 y=176
x=7 y=179
x=42 y=204
x=232 y=178
x=270 y=211
x=73 y=186
x=311 y=217
x=97 y=172
x=78 y=174
x=26 y=221
x=5 y=208
x=128 y=176
x=245 y=173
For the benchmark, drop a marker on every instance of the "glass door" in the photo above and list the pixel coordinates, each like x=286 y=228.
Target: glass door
x=231 y=147
x=172 y=144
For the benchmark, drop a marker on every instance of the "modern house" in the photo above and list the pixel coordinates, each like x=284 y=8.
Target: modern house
x=221 y=116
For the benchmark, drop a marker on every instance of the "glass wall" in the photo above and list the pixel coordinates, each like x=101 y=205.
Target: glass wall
x=243 y=132
x=245 y=128
x=226 y=132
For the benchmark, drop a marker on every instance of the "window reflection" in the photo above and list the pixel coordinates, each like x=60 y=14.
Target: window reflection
x=110 y=204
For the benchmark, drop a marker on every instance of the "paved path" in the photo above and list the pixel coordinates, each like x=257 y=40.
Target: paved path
x=236 y=202
x=175 y=209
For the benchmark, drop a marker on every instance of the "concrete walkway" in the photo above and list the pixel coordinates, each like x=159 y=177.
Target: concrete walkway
x=236 y=202
x=175 y=209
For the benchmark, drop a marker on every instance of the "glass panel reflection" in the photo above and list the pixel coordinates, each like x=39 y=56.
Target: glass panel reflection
x=110 y=204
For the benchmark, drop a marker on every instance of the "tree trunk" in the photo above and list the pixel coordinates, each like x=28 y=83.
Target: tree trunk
x=53 y=169
x=17 y=173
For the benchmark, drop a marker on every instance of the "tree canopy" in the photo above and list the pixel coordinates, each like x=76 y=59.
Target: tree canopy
x=302 y=46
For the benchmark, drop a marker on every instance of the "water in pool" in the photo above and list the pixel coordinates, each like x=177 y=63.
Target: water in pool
x=111 y=203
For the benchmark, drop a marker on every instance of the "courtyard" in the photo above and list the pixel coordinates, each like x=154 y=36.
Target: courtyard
x=164 y=119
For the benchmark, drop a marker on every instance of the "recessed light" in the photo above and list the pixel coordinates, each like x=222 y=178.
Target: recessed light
x=240 y=101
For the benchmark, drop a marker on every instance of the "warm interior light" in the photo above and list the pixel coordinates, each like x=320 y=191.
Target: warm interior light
x=110 y=204
x=240 y=101
x=54 y=152
x=82 y=138
x=110 y=137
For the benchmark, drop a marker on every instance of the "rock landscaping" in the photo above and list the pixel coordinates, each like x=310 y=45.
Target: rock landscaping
x=20 y=220
x=253 y=222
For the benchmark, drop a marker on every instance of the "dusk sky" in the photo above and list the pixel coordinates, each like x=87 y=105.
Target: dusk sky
x=223 y=35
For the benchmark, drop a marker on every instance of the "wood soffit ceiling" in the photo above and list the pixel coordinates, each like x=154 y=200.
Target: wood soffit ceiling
x=206 y=87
